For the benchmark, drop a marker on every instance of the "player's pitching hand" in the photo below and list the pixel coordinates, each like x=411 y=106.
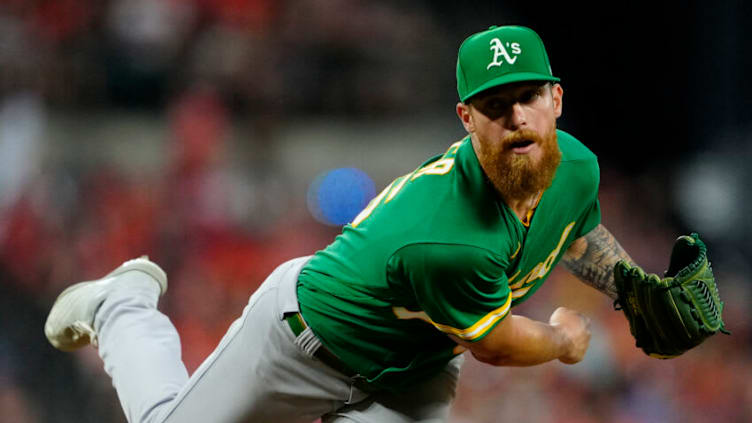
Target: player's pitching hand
x=575 y=329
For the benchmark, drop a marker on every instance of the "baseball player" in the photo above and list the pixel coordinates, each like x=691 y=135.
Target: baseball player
x=373 y=327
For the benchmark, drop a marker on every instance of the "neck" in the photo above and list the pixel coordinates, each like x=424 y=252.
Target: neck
x=521 y=207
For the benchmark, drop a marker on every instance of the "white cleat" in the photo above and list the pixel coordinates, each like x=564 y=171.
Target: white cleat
x=70 y=324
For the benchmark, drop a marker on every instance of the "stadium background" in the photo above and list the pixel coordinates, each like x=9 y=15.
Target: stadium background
x=222 y=137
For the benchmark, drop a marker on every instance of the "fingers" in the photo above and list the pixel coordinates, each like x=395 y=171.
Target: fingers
x=575 y=328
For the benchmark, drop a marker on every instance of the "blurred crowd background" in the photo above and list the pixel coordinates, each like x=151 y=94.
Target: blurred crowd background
x=223 y=137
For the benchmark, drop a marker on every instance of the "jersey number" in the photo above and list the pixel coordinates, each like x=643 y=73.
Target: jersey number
x=439 y=167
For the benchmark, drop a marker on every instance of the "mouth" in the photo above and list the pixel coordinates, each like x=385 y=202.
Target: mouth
x=521 y=146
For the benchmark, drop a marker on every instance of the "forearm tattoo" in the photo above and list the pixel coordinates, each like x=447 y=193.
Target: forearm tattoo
x=592 y=259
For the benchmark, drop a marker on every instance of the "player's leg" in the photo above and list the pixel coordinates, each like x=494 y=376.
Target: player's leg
x=258 y=373
x=140 y=348
x=139 y=345
x=428 y=402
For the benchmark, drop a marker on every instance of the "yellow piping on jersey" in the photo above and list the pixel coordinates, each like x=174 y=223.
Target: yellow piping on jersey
x=529 y=215
x=397 y=188
x=516 y=251
x=453 y=148
x=474 y=331
x=517 y=293
x=514 y=276
x=541 y=269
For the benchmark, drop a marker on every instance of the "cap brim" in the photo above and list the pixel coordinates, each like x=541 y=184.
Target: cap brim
x=508 y=79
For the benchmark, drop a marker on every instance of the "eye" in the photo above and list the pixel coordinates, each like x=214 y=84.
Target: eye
x=494 y=107
x=530 y=95
x=494 y=104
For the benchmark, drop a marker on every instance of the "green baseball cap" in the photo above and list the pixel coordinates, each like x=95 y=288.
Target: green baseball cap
x=498 y=56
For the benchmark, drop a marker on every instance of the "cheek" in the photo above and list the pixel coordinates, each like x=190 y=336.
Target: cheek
x=542 y=128
x=489 y=130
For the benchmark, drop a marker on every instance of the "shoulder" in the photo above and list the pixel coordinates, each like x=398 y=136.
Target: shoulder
x=578 y=168
x=577 y=161
x=573 y=149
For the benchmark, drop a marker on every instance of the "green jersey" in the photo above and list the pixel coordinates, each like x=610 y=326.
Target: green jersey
x=436 y=253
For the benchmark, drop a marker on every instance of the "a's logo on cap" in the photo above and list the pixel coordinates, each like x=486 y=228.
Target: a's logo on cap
x=499 y=52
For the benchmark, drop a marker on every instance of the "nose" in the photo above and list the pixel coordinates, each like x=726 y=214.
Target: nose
x=517 y=118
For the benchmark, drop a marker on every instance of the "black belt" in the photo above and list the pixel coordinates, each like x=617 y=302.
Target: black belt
x=298 y=325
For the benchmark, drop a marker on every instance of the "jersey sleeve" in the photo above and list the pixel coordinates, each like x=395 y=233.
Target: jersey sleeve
x=591 y=215
x=591 y=218
x=462 y=290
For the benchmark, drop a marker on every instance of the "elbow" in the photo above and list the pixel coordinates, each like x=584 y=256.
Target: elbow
x=492 y=353
x=494 y=359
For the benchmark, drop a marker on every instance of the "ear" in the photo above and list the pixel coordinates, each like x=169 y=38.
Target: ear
x=557 y=92
x=463 y=112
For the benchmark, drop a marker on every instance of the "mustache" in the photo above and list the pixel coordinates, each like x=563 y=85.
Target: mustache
x=519 y=137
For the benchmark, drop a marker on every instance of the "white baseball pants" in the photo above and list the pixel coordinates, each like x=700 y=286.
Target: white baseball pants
x=256 y=374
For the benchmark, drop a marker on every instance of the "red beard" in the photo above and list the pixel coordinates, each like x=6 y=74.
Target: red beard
x=519 y=176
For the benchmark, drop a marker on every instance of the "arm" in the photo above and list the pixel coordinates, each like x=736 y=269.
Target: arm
x=592 y=258
x=463 y=291
x=519 y=341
